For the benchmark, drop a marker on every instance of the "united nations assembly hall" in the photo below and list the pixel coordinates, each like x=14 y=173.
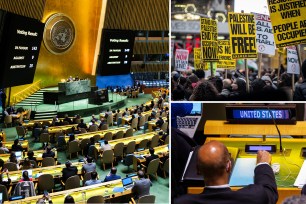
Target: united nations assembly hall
x=84 y=101
x=238 y=153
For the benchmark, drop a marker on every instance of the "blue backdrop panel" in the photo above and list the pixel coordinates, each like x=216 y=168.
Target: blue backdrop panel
x=115 y=80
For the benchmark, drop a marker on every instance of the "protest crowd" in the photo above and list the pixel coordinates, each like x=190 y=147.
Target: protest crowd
x=192 y=85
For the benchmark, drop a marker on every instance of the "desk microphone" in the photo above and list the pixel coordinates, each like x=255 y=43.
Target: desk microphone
x=279 y=134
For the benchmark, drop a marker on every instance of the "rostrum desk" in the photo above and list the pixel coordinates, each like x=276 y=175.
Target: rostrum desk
x=82 y=194
x=223 y=128
x=292 y=154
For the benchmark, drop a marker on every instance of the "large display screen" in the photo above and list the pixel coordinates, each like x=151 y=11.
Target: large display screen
x=261 y=114
x=196 y=109
x=20 y=42
x=116 y=52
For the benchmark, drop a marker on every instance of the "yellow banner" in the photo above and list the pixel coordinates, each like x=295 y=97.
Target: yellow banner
x=225 y=55
x=197 y=59
x=242 y=35
x=209 y=40
x=289 y=21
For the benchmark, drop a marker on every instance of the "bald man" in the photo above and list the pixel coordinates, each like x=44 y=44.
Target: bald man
x=226 y=89
x=215 y=165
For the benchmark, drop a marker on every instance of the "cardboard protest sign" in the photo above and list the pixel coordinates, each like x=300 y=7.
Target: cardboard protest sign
x=264 y=35
x=293 y=66
x=197 y=59
x=181 y=59
x=242 y=35
x=289 y=21
x=209 y=40
x=225 y=55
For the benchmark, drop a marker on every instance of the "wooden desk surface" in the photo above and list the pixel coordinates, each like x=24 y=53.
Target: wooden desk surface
x=56 y=171
x=14 y=116
x=55 y=129
x=137 y=139
x=83 y=193
x=157 y=150
x=292 y=156
x=219 y=127
x=24 y=144
x=100 y=132
x=37 y=155
x=3 y=135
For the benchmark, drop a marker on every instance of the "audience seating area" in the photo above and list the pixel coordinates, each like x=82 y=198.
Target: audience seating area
x=128 y=132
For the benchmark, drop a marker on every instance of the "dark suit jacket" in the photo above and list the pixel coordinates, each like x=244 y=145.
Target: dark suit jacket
x=263 y=191
x=16 y=148
x=150 y=158
x=141 y=188
x=68 y=172
x=46 y=154
x=160 y=122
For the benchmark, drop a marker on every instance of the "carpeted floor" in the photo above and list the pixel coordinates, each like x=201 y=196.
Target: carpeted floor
x=160 y=186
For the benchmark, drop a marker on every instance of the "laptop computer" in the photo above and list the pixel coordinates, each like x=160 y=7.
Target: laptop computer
x=12 y=198
x=189 y=124
x=127 y=183
x=18 y=154
x=30 y=172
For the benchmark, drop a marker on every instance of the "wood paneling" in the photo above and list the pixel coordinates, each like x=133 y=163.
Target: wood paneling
x=151 y=67
x=28 y=8
x=156 y=47
x=137 y=15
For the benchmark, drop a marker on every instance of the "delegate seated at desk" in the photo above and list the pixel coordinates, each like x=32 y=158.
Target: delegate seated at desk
x=93 y=179
x=215 y=165
x=151 y=157
x=48 y=153
x=142 y=186
x=69 y=171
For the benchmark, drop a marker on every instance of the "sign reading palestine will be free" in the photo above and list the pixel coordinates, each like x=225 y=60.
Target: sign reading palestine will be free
x=242 y=35
x=289 y=21
x=209 y=40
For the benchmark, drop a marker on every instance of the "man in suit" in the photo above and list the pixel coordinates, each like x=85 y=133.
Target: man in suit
x=112 y=175
x=67 y=119
x=215 y=165
x=48 y=153
x=68 y=171
x=89 y=165
x=151 y=157
x=93 y=179
x=159 y=122
x=141 y=186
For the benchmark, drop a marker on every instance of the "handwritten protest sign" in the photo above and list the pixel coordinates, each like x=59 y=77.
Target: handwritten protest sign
x=181 y=59
x=293 y=66
x=242 y=35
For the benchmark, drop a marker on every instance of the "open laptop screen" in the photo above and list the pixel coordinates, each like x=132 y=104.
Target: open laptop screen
x=197 y=109
x=30 y=172
x=18 y=154
x=127 y=181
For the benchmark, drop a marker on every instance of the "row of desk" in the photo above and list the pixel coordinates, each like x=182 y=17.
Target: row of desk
x=290 y=161
x=37 y=154
x=55 y=171
x=125 y=141
x=82 y=194
x=109 y=190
